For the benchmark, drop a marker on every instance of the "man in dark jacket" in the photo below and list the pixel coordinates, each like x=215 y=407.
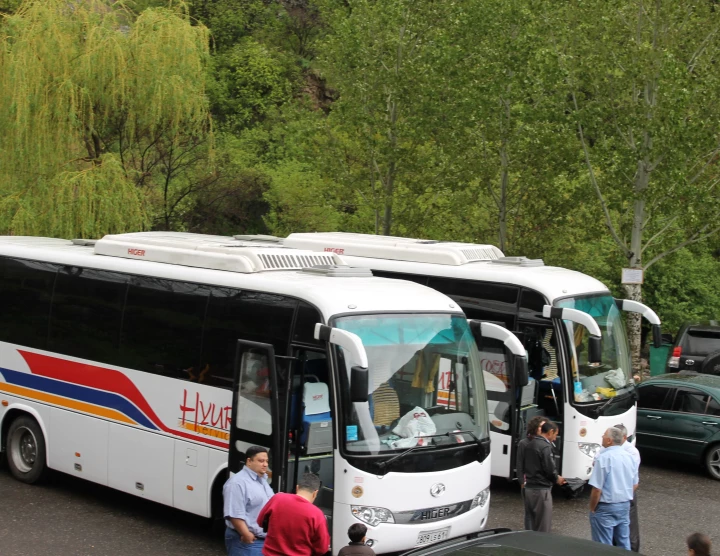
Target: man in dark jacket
x=540 y=476
x=533 y=429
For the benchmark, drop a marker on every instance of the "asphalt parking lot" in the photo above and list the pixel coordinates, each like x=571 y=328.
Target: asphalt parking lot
x=66 y=516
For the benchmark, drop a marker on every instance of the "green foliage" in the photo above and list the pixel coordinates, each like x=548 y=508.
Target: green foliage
x=94 y=102
x=684 y=287
x=249 y=80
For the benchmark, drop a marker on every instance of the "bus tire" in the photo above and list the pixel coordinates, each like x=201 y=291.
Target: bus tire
x=26 y=451
x=217 y=518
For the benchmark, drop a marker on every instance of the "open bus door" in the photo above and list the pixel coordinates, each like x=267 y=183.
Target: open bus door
x=258 y=411
x=505 y=369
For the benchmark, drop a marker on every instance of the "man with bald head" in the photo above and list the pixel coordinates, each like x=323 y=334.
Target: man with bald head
x=614 y=480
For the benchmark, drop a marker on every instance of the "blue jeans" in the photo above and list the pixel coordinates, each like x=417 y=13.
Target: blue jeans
x=611 y=520
x=235 y=546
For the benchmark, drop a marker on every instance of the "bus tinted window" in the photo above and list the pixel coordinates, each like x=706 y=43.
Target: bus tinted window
x=25 y=294
x=307 y=318
x=417 y=278
x=162 y=327
x=234 y=315
x=86 y=313
x=532 y=301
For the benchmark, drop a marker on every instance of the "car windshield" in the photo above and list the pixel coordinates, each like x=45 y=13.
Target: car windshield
x=425 y=383
x=594 y=382
x=701 y=341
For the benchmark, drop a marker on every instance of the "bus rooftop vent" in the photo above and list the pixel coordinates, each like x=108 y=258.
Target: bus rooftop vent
x=84 y=242
x=214 y=252
x=259 y=238
x=339 y=271
x=519 y=261
x=394 y=248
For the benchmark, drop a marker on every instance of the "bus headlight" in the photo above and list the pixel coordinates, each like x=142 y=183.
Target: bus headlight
x=589 y=449
x=371 y=515
x=481 y=498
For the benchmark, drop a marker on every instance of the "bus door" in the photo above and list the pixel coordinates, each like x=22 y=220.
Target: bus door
x=258 y=408
x=505 y=382
x=310 y=425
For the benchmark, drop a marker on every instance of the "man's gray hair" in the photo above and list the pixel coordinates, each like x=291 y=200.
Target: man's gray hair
x=309 y=482
x=616 y=435
x=621 y=428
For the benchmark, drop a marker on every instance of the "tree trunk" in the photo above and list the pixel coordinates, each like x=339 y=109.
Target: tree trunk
x=634 y=291
x=502 y=205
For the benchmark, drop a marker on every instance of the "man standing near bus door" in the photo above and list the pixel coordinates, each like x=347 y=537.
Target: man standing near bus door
x=634 y=523
x=244 y=495
x=294 y=524
x=533 y=430
x=540 y=476
x=614 y=479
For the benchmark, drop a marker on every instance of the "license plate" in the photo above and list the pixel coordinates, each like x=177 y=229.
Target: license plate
x=428 y=537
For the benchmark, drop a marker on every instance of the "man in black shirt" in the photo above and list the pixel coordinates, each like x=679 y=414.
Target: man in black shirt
x=540 y=476
x=533 y=429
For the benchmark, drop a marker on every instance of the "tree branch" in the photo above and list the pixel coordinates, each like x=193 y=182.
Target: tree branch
x=608 y=221
x=698 y=236
x=657 y=235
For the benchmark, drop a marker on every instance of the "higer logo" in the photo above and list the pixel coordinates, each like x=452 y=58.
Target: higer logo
x=335 y=250
x=137 y=252
x=317 y=397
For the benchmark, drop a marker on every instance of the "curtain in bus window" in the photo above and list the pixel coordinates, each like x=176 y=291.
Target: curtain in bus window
x=242 y=315
x=162 y=328
x=86 y=314
x=25 y=294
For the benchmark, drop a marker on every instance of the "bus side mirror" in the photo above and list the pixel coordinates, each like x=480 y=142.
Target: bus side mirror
x=520 y=371
x=358 y=385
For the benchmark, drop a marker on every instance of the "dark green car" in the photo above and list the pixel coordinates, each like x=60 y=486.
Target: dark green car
x=679 y=418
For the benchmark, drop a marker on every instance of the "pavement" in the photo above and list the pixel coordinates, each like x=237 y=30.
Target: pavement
x=67 y=516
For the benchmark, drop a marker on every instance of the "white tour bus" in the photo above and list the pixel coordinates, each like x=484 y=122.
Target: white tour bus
x=139 y=360
x=569 y=323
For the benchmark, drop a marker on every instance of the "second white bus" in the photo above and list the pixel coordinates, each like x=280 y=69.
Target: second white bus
x=569 y=322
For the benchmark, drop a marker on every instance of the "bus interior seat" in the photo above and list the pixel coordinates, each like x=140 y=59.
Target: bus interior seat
x=384 y=405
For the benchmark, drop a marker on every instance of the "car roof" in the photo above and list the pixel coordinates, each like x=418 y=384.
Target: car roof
x=503 y=542
x=711 y=382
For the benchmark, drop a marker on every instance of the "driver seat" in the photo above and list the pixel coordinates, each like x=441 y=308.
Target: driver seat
x=384 y=405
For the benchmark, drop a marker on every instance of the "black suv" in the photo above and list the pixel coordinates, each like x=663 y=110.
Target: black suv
x=697 y=348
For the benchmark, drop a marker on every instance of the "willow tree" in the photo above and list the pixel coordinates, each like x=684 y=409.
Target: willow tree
x=92 y=97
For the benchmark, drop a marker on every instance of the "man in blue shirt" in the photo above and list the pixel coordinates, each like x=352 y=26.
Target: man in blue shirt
x=244 y=495
x=634 y=521
x=614 y=480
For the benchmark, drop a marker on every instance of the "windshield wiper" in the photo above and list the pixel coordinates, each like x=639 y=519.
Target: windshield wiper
x=613 y=400
x=383 y=464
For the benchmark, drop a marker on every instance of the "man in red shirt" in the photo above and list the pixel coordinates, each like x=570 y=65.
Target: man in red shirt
x=294 y=524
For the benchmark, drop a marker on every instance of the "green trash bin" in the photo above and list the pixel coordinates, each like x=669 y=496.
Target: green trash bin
x=658 y=359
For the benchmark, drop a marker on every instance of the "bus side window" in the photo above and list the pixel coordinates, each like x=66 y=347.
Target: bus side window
x=86 y=314
x=162 y=327
x=234 y=315
x=25 y=293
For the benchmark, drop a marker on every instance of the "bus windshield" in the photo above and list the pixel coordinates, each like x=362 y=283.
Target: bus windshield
x=425 y=384
x=613 y=377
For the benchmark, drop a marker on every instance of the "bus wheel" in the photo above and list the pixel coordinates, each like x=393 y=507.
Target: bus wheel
x=26 y=450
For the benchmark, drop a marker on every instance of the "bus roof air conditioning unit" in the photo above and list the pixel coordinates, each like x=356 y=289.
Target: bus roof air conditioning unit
x=339 y=271
x=519 y=261
x=213 y=252
x=394 y=248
